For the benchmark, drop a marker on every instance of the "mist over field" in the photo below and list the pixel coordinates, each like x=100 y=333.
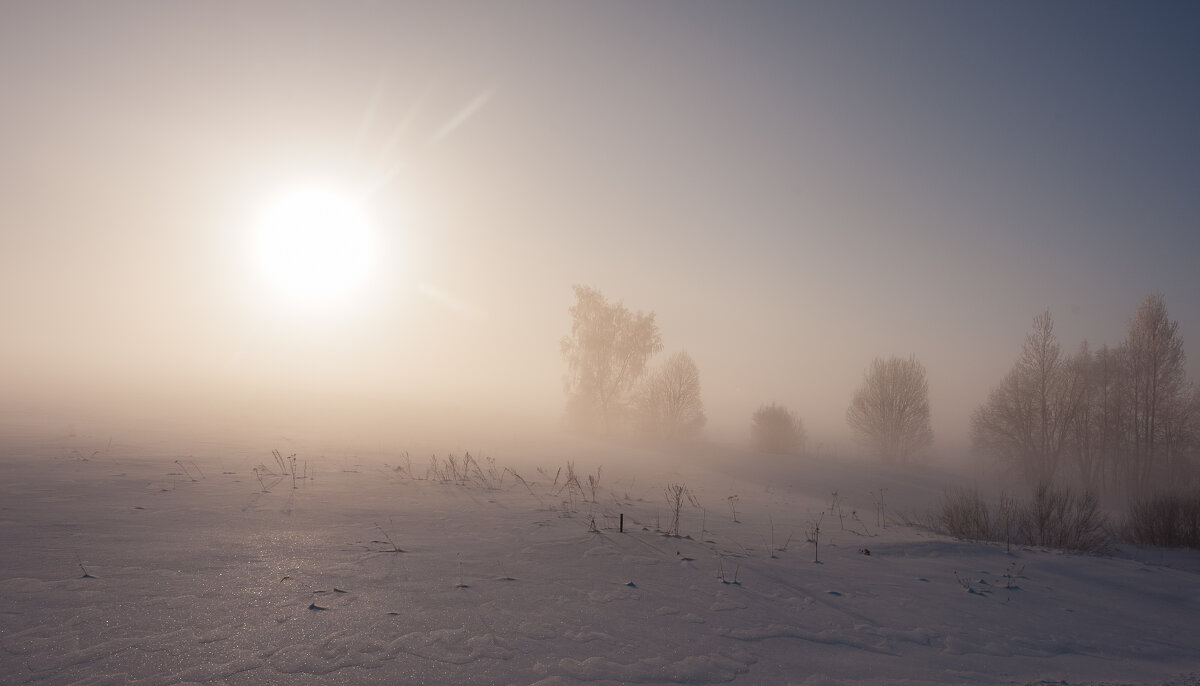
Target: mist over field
x=793 y=190
x=366 y=328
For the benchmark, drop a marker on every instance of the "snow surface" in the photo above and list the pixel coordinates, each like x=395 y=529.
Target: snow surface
x=195 y=574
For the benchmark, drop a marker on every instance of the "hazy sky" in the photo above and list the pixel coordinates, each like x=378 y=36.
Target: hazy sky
x=794 y=188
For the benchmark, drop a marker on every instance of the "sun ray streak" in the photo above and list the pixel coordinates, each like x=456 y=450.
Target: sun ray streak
x=369 y=114
x=461 y=118
x=452 y=302
x=379 y=181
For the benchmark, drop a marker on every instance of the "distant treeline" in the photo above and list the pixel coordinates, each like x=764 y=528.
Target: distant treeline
x=1121 y=419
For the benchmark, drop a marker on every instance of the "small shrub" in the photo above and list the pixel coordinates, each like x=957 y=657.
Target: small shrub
x=1167 y=520
x=964 y=514
x=813 y=535
x=1076 y=521
x=1053 y=518
x=675 y=494
x=1008 y=517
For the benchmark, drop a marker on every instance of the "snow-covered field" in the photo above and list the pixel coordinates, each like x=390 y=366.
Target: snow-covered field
x=159 y=563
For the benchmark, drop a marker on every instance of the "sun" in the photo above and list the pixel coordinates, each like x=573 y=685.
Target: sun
x=314 y=244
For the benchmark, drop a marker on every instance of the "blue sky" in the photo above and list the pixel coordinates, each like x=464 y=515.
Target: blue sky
x=795 y=188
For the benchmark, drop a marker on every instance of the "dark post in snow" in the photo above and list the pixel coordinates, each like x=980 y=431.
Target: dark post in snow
x=622 y=523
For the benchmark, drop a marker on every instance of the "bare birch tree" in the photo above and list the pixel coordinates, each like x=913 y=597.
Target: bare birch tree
x=1085 y=449
x=1158 y=393
x=1027 y=420
x=669 y=403
x=890 y=411
x=606 y=355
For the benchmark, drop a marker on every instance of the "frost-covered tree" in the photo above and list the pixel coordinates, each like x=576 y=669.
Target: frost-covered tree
x=776 y=429
x=1027 y=420
x=668 y=401
x=1158 y=395
x=1123 y=418
x=1086 y=439
x=890 y=411
x=606 y=354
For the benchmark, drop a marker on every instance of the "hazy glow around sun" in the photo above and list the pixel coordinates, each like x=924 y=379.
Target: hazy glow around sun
x=314 y=244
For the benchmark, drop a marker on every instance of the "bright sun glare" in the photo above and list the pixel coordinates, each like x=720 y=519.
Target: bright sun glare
x=314 y=244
